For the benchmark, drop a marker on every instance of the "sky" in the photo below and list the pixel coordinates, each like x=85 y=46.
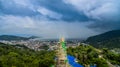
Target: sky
x=56 y=18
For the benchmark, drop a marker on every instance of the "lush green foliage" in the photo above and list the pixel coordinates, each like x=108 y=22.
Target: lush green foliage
x=109 y=39
x=114 y=58
x=87 y=55
x=21 y=56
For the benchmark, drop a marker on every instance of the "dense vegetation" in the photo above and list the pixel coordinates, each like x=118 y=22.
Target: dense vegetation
x=113 y=57
x=21 y=56
x=109 y=39
x=88 y=55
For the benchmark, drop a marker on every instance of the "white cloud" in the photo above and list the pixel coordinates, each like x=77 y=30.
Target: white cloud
x=16 y=21
x=45 y=28
x=96 y=9
x=25 y=3
x=11 y=21
x=46 y=12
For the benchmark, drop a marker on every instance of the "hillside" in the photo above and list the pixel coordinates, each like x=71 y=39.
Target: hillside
x=87 y=54
x=21 y=56
x=12 y=37
x=109 y=39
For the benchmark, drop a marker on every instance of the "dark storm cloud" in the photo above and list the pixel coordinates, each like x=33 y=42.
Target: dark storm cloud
x=103 y=26
x=106 y=13
x=10 y=7
x=50 y=18
x=68 y=11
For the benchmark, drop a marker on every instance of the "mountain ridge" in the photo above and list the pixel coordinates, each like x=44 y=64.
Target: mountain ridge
x=14 y=37
x=109 y=39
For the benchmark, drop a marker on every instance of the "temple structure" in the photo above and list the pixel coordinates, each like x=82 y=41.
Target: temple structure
x=62 y=54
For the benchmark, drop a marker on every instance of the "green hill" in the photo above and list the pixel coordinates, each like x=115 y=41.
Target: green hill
x=89 y=55
x=21 y=56
x=109 y=39
x=12 y=37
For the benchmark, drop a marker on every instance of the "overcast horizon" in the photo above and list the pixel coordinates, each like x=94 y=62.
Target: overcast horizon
x=56 y=18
